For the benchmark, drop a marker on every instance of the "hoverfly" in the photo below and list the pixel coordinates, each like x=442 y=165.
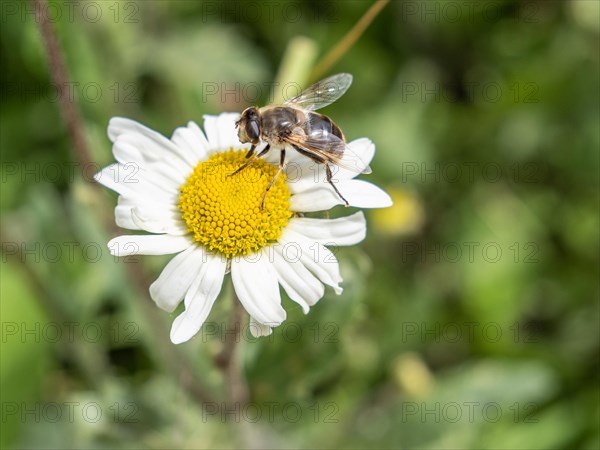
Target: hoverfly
x=294 y=124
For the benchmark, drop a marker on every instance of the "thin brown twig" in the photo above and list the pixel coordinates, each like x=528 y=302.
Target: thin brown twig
x=348 y=40
x=60 y=76
x=173 y=361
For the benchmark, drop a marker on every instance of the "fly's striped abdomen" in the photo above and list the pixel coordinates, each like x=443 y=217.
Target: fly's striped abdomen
x=320 y=123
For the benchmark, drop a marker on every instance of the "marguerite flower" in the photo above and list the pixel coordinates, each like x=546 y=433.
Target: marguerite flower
x=179 y=190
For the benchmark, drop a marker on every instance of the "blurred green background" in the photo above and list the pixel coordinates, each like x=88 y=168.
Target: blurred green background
x=470 y=314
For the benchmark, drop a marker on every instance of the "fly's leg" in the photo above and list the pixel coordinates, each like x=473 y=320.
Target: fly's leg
x=329 y=180
x=321 y=160
x=252 y=156
x=251 y=151
x=281 y=165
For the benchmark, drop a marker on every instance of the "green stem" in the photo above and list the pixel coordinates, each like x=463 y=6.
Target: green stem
x=295 y=68
x=336 y=53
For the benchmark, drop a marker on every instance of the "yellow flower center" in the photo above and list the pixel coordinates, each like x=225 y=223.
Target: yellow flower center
x=223 y=212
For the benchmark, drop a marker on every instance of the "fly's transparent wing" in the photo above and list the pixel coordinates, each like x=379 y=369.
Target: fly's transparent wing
x=322 y=93
x=329 y=148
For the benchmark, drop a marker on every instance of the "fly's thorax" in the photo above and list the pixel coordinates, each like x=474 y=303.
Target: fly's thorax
x=279 y=121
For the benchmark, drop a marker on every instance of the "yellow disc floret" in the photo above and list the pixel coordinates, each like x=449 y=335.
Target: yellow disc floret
x=223 y=212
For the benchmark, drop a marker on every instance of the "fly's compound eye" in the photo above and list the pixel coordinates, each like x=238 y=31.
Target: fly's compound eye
x=252 y=131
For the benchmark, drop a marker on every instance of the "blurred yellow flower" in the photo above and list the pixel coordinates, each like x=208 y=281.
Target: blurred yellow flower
x=412 y=375
x=405 y=216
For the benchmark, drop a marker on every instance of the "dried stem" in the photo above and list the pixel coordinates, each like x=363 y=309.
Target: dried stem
x=348 y=40
x=60 y=76
x=171 y=360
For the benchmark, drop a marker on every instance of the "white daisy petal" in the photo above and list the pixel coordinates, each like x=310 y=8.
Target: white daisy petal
x=295 y=163
x=347 y=230
x=153 y=211
x=161 y=174
x=299 y=184
x=118 y=126
x=273 y=156
x=126 y=153
x=123 y=216
x=147 y=214
x=363 y=150
x=152 y=145
x=131 y=181
x=257 y=329
x=159 y=221
x=359 y=193
x=315 y=257
x=363 y=194
x=176 y=278
x=108 y=177
x=255 y=283
x=194 y=146
x=221 y=132
x=199 y=136
x=199 y=299
x=155 y=244
x=318 y=198
x=301 y=285
x=212 y=132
